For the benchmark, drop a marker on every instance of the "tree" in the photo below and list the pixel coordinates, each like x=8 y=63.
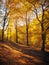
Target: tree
x=3 y=27
x=16 y=30
x=27 y=27
x=26 y=9
x=44 y=5
x=4 y=20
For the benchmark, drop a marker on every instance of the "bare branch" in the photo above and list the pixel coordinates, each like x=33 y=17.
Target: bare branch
x=36 y=13
x=47 y=28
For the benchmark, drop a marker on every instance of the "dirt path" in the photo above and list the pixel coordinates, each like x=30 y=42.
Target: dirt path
x=16 y=54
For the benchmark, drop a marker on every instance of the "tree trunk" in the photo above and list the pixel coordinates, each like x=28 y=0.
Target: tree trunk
x=3 y=28
x=27 y=35
x=3 y=31
x=2 y=35
x=43 y=37
x=27 y=30
x=16 y=34
x=16 y=37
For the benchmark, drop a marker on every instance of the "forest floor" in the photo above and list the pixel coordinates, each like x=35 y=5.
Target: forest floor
x=16 y=54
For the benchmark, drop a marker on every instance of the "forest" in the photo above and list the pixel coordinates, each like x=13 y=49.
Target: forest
x=24 y=31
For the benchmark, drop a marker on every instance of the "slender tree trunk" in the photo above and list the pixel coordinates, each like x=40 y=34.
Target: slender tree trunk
x=27 y=30
x=16 y=34
x=43 y=33
x=2 y=35
x=43 y=37
x=3 y=31
x=4 y=26
x=27 y=35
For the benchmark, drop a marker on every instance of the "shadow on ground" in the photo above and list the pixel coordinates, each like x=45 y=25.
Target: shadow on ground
x=24 y=55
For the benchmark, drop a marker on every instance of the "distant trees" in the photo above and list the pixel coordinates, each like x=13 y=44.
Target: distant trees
x=13 y=10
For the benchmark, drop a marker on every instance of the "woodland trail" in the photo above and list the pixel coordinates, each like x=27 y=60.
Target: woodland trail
x=16 y=54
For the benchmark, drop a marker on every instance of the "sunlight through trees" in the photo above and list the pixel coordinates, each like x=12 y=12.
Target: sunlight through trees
x=25 y=22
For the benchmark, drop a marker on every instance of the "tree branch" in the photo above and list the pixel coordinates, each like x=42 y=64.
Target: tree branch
x=47 y=28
